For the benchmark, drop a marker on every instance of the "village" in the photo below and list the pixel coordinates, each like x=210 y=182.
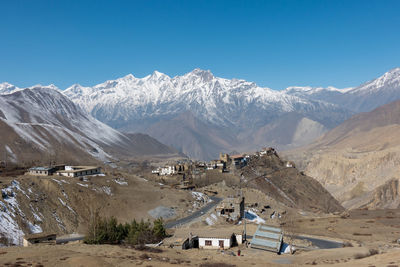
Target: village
x=231 y=210
x=220 y=213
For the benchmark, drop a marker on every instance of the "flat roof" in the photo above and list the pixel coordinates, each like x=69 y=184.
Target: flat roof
x=40 y=169
x=207 y=232
x=79 y=169
x=39 y=235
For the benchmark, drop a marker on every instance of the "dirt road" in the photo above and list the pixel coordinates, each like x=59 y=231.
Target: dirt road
x=195 y=215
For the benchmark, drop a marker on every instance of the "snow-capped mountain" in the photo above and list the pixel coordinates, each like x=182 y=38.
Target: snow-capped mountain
x=363 y=98
x=201 y=114
x=41 y=121
x=6 y=88
x=234 y=108
x=213 y=99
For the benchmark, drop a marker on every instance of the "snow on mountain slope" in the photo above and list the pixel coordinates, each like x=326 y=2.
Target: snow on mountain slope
x=212 y=99
x=365 y=97
x=236 y=106
x=41 y=120
x=6 y=88
x=39 y=113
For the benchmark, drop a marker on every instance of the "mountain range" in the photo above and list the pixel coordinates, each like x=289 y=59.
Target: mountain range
x=201 y=115
x=41 y=124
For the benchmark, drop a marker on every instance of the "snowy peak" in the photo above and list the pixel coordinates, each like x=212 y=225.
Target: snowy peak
x=388 y=81
x=7 y=88
x=205 y=75
x=156 y=75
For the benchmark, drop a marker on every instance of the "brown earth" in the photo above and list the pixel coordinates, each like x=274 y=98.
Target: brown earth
x=369 y=237
x=358 y=161
x=286 y=184
x=45 y=196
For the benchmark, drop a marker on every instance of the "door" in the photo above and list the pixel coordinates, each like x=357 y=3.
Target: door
x=221 y=243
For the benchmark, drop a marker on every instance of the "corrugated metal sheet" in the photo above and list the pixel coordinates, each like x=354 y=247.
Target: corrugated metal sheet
x=267 y=238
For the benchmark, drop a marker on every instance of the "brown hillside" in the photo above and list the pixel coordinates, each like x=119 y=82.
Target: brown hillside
x=272 y=176
x=357 y=157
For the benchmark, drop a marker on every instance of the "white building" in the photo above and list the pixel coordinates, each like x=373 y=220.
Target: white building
x=75 y=171
x=167 y=170
x=219 y=239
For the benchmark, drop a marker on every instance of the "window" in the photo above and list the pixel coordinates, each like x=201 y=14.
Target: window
x=208 y=242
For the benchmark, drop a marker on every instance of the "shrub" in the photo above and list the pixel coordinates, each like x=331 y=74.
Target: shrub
x=105 y=231
x=108 y=231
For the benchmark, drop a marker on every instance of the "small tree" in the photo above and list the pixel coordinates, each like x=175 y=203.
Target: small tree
x=140 y=233
x=159 y=229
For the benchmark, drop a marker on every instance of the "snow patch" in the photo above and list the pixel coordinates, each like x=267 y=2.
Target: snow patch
x=121 y=181
x=34 y=229
x=57 y=181
x=107 y=190
x=251 y=216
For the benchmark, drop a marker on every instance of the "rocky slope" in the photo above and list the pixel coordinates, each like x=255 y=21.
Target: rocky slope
x=283 y=182
x=357 y=159
x=42 y=124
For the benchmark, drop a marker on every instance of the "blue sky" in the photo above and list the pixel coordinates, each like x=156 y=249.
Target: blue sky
x=273 y=43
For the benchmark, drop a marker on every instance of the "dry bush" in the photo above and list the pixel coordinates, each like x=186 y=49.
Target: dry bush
x=347 y=244
x=361 y=234
x=216 y=265
x=360 y=256
x=371 y=252
x=148 y=249
x=144 y=256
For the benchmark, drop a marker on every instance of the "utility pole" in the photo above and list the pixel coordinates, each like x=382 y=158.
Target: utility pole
x=5 y=158
x=244 y=211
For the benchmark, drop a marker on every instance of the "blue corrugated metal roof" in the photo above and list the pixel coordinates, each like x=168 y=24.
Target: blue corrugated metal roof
x=267 y=238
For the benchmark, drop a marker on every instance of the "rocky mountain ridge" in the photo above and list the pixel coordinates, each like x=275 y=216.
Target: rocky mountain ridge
x=236 y=108
x=238 y=115
x=41 y=123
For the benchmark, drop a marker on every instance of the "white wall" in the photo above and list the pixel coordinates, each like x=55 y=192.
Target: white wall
x=215 y=242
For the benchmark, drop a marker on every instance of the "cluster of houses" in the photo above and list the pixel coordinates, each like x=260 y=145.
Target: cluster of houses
x=64 y=170
x=225 y=163
x=179 y=168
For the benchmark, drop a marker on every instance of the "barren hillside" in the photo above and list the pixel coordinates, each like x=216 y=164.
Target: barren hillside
x=357 y=157
x=283 y=182
x=64 y=205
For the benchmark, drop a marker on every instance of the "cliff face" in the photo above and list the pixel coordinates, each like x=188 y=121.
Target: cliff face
x=357 y=158
x=386 y=196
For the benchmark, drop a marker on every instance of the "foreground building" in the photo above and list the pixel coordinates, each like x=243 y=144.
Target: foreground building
x=213 y=239
x=75 y=171
x=64 y=170
x=267 y=238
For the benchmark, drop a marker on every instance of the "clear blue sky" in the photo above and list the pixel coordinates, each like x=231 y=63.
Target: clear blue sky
x=273 y=43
